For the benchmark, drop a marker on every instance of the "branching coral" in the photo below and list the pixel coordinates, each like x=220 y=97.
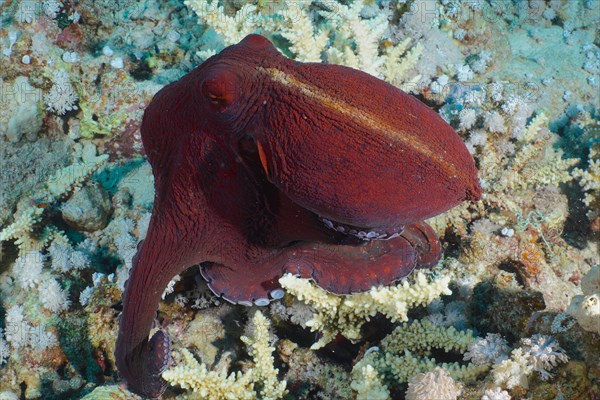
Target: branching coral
x=416 y=341
x=59 y=184
x=355 y=39
x=351 y=30
x=66 y=179
x=260 y=350
x=589 y=179
x=521 y=174
x=22 y=227
x=370 y=387
x=421 y=336
x=205 y=384
x=307 y=43
x=231 y=28
x=29 y=311
x=534 y=165
x=346 y=314
x=258 y=382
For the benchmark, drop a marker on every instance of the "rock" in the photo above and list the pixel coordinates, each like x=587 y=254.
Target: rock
x=88 y=209
x=506 y=311
x=20 y=114
x=8 y=395
x=586 y=308
x=111 y=392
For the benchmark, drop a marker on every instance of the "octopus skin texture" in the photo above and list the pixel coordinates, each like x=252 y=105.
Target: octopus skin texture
x=264 y=165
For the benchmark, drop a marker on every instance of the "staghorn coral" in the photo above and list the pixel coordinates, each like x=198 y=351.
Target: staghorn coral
x=521 y=173
x=351 y=30
x=370 y=387
x=346 y=314
x=534 y=165
x=589 y=180
x=260 y=350
x=355 y=39
x=307 y=44
x=68 y=178
x=61 y=183
x=22 y=227
x=231 y=28
x=190 y=374
x=422 y=336
x=260 y=380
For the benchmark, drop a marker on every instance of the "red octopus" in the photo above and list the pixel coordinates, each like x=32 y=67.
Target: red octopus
x=264 y=165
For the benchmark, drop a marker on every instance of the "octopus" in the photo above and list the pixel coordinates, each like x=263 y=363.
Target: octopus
x=264 y=166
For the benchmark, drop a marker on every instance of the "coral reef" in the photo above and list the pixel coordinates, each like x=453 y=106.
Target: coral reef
x=518 y=80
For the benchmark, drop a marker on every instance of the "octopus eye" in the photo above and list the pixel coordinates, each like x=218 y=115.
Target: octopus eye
x=213 y=98
x=220 y=90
